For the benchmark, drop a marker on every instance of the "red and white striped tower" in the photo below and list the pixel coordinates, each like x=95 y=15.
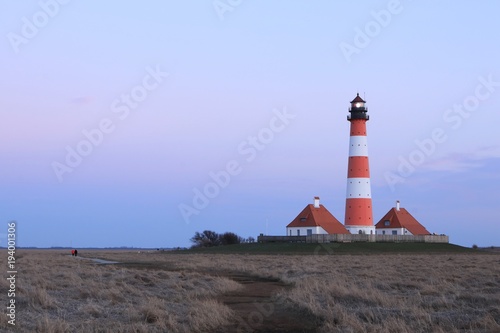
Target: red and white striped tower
x=358 y=205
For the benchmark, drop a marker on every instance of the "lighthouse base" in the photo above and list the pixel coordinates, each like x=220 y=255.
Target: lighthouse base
x=361 y=229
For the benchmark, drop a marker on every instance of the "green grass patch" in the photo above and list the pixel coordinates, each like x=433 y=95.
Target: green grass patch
x=331 y=248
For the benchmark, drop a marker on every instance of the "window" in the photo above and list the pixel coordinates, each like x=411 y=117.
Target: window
x=383 y=232
x=290 y=232
x=309 y=232
x=394 y=232
x=302 y=219
x=298 y=232
x=387 y=223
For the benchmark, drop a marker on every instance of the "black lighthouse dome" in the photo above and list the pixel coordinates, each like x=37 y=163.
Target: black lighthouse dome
x=358 y=109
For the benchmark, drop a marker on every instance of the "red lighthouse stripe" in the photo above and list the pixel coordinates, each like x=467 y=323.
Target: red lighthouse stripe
x=358 y=212
x=358 y=127
x=358 y=167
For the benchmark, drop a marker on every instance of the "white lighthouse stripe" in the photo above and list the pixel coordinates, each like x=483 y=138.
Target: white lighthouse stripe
x=358 y=146
x=358 y=188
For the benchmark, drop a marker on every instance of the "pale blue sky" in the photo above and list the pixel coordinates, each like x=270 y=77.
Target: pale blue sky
x=422 y=66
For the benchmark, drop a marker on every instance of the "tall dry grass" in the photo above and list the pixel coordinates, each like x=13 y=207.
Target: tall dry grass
x=60 y=293
x=380 y=293
x=177 y=292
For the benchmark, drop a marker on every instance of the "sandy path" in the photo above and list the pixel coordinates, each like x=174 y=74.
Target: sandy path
x=259 y=310
x=96 y=260
x=256 y=306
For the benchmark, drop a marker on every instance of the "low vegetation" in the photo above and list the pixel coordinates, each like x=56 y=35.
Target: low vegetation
x=172 y=292
x=209 y=238
x=332 y=248
x=60 y=293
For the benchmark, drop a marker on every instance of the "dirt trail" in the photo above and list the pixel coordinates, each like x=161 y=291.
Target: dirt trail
x=258 y=311
x=97 y=260
x=256 y=306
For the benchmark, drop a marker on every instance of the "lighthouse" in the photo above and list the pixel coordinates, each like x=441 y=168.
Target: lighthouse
x=358 y=205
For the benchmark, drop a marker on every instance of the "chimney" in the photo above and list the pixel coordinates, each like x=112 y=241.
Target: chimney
x=316 y=202
x=397 y=205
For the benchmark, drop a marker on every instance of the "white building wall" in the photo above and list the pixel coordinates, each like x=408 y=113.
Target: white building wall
x=365 y=229
x=303 y=231
x=399 y=231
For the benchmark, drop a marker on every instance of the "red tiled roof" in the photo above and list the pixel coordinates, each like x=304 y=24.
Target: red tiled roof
x=402 y=219
x=314 y=217
x=358 y=99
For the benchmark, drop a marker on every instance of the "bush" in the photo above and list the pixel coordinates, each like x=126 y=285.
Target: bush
x=229 y=238
x=207 y=238
x=210 y=238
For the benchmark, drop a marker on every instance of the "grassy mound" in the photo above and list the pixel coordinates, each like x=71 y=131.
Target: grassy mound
x=331 y=248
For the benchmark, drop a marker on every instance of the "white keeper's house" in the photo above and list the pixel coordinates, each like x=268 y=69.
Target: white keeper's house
x=315 y=219
x=398 y=221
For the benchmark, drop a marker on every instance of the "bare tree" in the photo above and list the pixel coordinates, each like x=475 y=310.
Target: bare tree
x=207 y=238
x=229 y=238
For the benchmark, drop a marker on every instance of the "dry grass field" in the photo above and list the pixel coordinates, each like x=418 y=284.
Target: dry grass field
x=172 y=292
